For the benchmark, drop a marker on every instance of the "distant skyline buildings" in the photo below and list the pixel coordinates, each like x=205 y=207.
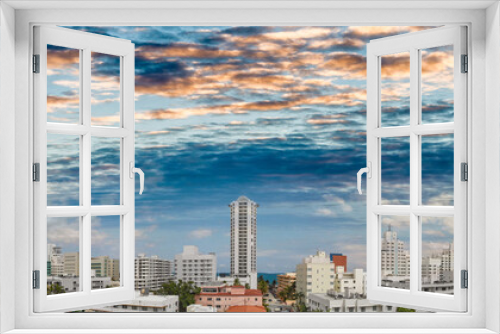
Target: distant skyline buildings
x=244 y=239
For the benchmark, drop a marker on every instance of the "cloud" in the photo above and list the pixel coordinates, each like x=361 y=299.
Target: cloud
x=200 y=234
x=325 y=212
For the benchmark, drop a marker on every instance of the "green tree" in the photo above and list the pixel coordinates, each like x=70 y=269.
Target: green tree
x=404 y=309
x=54 y=289
x=247 y=286
x=185 y=290
x=237 y=281
x=263 y=286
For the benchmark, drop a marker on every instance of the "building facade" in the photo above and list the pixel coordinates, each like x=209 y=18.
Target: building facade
x=152 y=272
x=224 y=297
x=316 y=274
x=145 y=303
x=244 y=239
x=326 y=302
x=339 y=260
x=72 y=264
x=285 y=280
x=193 y=266
x=395 y=259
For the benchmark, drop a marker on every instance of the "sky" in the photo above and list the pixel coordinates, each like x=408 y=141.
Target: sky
x=277 y=114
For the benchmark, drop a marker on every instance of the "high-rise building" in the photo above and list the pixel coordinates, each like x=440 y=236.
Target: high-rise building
x=56 y=258
x=316 y=274
x=244 y=239
x=395 y=258
x=72 y=264
x=339 y=260
x=192 y=266
x=152 y=272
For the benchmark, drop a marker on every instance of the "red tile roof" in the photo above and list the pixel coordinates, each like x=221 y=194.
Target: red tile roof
x=246 y=308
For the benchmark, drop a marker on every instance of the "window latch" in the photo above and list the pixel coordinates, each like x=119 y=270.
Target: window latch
x=139 y=171
x=368 y=171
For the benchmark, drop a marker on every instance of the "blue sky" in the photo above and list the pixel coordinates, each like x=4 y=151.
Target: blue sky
x=277 y=114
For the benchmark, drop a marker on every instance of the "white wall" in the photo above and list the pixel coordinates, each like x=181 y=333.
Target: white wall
x=7 y=160
x=492 y=161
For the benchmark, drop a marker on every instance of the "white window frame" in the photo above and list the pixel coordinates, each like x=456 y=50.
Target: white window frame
x=483 y=21
x=86 y=43
x=413 y=43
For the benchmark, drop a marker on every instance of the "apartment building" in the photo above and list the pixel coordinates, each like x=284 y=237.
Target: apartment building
x=244 y=239
x=285 y=280
x=395 y=259
x=338 y=303
x=339 y=260
x=71 y=264
x=222 y=298
x=152 y=272
x=316 y=274
x=194 y=266
x=350 y=282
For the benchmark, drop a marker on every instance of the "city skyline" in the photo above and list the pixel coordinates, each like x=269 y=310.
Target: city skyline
x=273 y=113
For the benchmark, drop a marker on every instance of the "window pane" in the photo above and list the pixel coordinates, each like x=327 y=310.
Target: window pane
x=395 y=167
x=395 y=89
x=437 y=84
x=437 y=169
x=63 y=85
x=437 y=254
x=106 y=171
x=105 y=264
x=105 y=89
x=395 y=252
x=63 y=170
x=63 y=255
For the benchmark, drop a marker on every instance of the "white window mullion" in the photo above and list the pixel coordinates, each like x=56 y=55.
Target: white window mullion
x=415 y=167
x=85 y=161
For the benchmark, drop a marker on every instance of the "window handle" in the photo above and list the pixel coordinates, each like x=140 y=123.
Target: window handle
x=368 y=171
x=139 y=171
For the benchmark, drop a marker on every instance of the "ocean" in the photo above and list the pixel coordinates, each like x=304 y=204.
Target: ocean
x=267 y=276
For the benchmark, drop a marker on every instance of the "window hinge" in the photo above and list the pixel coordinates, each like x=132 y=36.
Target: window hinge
x=465 y=279
x=36 y=172
x=465 y=64
x=36 y=279
x=36 y=63
x=464 y=170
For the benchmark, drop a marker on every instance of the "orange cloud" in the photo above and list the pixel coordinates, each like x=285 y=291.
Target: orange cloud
x=184 y=50
x=59 y=59
x=57 y=102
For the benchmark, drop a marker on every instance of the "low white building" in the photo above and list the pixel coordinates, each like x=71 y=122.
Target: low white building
x=192 y=266
x=72 y=283
x=326 y=302
x=195 y=308
x=145 y=303
x=352 y=282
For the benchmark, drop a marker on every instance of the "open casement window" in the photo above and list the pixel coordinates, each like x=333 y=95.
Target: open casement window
x=416 y=147
x=84 y=168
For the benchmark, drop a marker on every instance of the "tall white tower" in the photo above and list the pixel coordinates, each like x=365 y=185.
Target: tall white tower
x=244 y=240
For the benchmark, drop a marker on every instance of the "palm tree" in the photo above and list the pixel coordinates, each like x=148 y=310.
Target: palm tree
x=237 y=281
